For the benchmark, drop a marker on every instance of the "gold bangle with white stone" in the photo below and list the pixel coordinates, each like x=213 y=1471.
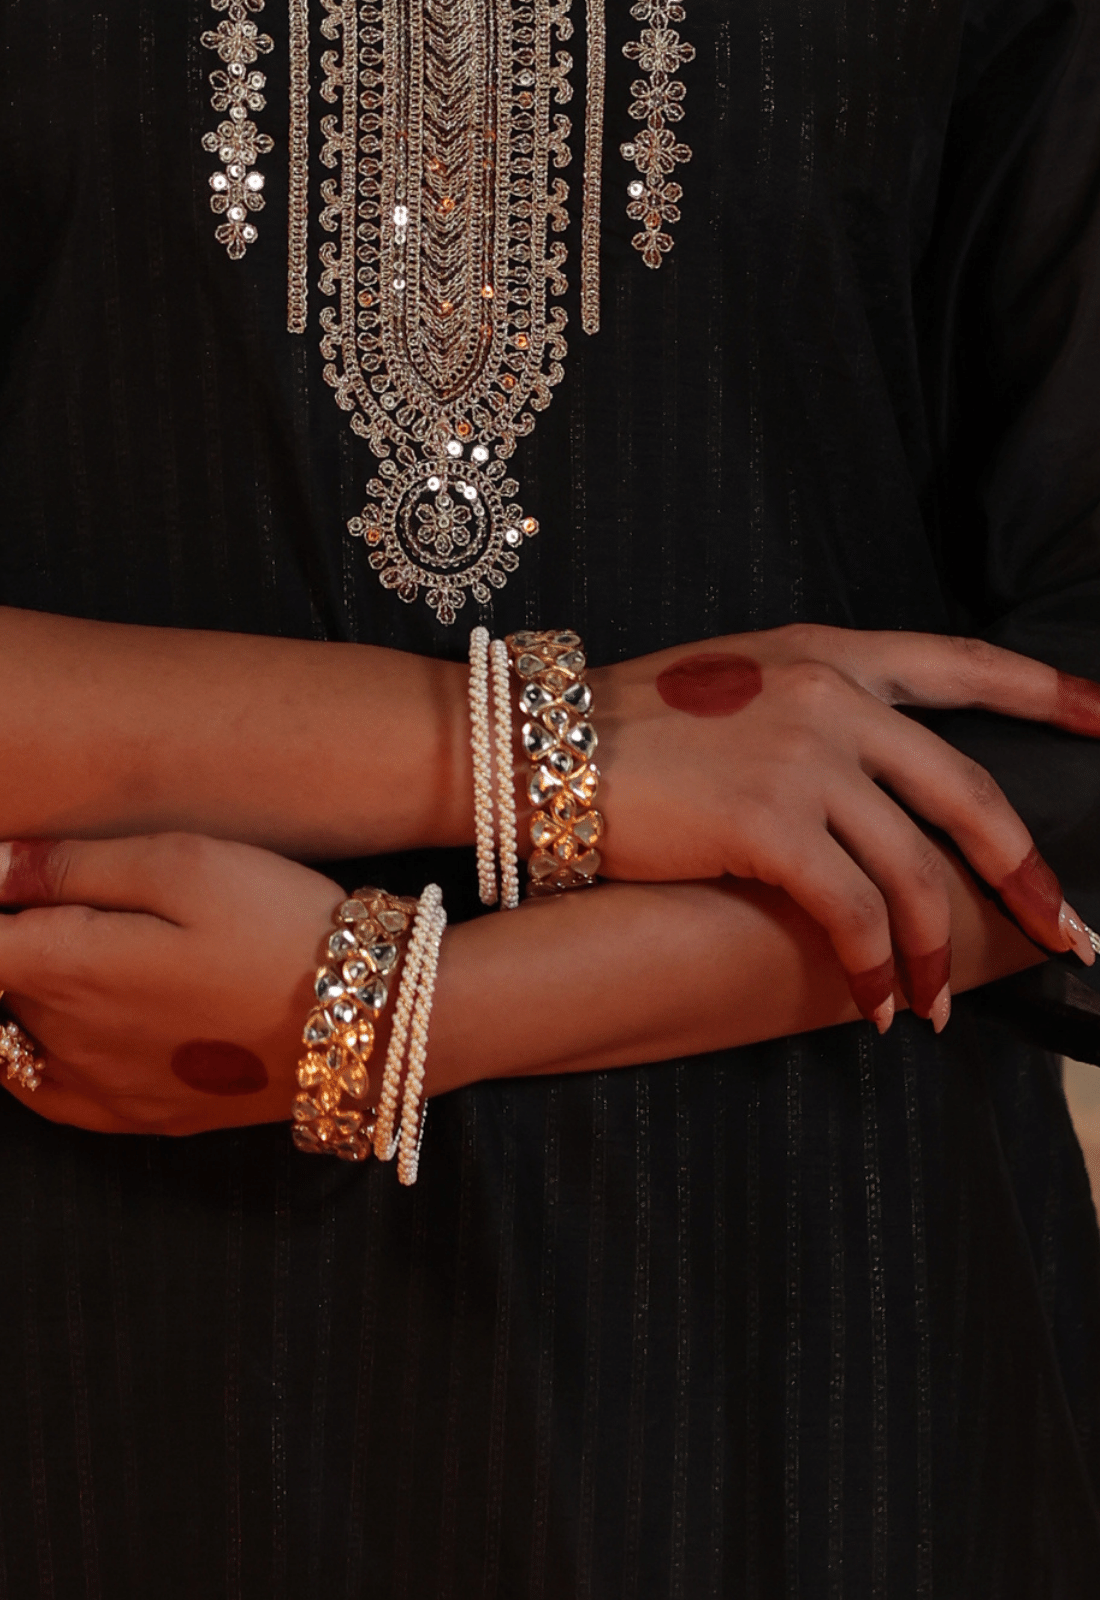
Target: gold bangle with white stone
x=351 y=988
x=560 y=742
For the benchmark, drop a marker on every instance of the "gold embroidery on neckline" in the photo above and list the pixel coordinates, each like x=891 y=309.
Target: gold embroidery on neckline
x=442 y=344
x=658 y=99
x=237 y=143
x=297 y=264
x=595 y=77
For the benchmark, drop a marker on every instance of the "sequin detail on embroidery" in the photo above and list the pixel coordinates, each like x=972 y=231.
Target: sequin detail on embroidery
x=238 y=188
x=658 y=100
x=443 y=346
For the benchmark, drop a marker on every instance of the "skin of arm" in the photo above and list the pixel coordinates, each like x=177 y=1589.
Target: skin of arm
x=646 y=972
x=218 y=942
x=319 y=751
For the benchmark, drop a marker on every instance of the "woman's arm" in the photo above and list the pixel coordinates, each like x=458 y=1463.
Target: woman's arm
x=329 y=750
x=214 y=941
x=315 y=750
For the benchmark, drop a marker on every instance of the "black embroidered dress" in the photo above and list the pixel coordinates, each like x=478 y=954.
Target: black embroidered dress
x=816 y=1318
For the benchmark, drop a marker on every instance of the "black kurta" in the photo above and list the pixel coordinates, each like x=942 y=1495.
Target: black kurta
x=816 y=1318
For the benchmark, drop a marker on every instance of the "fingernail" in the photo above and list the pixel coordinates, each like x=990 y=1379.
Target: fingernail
x=941 y=1009
x=922 y=977
x=872 y=989
x=883 y=1015
x=1075 y=932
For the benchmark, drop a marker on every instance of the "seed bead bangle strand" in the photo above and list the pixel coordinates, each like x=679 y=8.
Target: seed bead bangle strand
x=506 y=780
x=385 y=1142
x=480 y=749
x=412 y=1124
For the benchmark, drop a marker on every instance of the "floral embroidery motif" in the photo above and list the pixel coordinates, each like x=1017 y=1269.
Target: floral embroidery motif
x=442 y=345
x=658 y=100
x=237 y=142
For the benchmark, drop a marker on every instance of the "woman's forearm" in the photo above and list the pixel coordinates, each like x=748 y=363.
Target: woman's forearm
x=630 y=973
x=314 y=750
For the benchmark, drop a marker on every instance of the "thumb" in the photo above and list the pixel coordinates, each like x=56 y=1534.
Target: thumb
x=135 y=874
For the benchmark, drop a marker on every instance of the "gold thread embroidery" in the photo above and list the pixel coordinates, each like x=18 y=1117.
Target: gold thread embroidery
x=442 y=345
x=596 y=33
x=297 y=267
x=658 y=100
x=237 y=189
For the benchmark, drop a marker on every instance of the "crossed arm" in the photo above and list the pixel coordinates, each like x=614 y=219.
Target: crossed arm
x=798 y=873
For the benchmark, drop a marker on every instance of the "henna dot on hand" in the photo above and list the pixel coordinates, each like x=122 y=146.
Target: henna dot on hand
x=710 y=685
x=214 y=1066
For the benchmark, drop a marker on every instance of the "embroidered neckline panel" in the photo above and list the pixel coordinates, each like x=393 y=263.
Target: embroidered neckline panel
x=443 y=267
x=443 y=343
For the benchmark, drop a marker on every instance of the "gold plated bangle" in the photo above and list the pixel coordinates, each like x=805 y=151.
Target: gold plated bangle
x=351 y=988
x=560 y=742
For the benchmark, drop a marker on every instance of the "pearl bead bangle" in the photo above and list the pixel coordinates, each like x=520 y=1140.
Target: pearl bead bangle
x=412 y=1118
x=424 y=942
x=506 y=782
x=482 y=759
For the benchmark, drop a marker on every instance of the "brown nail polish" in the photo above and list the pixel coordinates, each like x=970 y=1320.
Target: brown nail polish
x=922 y=977
x=1034 y=896
x=871 y=989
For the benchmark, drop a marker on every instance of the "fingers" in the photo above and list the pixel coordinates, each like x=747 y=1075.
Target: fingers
x=110 y=874
x=948 y=672
x=954 y=793
x=61 y=954
x=828 y=884
x=908 y=870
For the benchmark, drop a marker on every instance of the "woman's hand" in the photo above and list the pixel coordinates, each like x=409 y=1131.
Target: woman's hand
x=778 y=756
x=149 y=965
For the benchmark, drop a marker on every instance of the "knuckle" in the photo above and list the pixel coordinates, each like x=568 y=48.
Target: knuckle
x=976 y=656
x=928 y=866
x=863 y=911
x=64 y=938
x=800 y=750
x=813 y=684
x=979 y=652
x=184 y=857
x=800 y=638
x=981 y=787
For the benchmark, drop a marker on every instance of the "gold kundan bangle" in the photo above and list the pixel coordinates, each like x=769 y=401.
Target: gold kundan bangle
x=560 y=741
x=351 y=988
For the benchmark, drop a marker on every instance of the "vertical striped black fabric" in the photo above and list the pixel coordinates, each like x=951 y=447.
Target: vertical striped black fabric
x=819 y=1318
x=778 y=1326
